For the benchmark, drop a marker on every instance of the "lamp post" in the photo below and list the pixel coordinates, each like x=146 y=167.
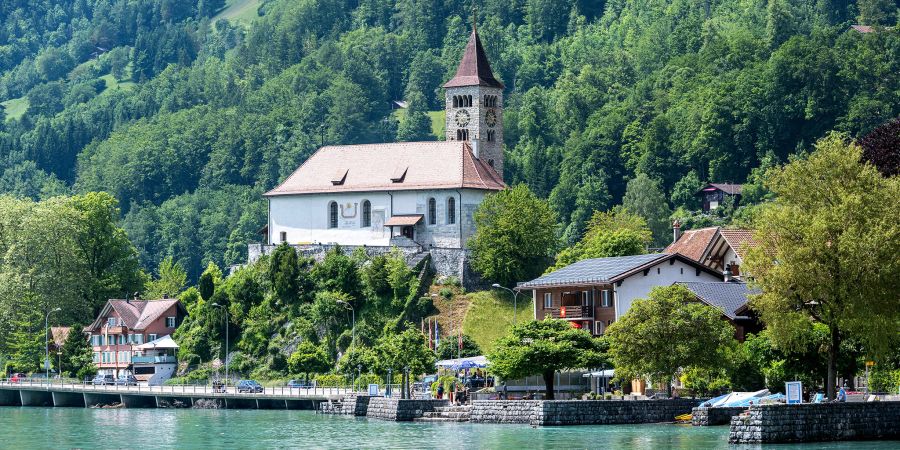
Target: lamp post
x=352 y=330
x=47 y=344
x=216 y=305
x=515 y=299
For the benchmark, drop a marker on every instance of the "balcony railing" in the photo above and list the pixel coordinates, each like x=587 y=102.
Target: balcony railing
x=572 y=312
x=153 y=359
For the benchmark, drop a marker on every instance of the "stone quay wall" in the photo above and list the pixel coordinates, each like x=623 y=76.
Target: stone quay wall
x=816 y=423
x=400 y=410
x=718 y=415
x=579 y=412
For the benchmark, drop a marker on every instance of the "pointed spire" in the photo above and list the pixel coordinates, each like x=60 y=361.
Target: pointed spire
x=474 y=68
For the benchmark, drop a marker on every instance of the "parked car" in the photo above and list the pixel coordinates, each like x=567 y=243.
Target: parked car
x=103 y=380
x=126 y=380
x=249 y=386
x=17 y=377
x=302 y=384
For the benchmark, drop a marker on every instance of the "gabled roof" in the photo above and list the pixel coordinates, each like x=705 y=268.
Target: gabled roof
x=474 y=68
x=136 y=314
x=376 y=167
x=730 y=297
x=732 y=189
x=693 y=243
x=739 y=240
x=165 y=342
x=605 y=270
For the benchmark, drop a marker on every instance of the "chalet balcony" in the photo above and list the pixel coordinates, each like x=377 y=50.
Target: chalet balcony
x=116 y=330
x=153 y=359
x=572 y=312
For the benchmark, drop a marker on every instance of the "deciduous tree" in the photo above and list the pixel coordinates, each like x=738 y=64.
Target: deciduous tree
x=515 y=233
x=668 y=331
x=827 y=252
x=544 y=347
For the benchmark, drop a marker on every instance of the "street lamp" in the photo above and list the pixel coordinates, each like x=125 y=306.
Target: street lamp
x=216 y=305
x=352 y=330
x=47 y=343
x=515 y=299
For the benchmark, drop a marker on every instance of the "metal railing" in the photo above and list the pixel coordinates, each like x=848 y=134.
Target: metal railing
x=572 y=312
x=182 y=389
x=153 y=359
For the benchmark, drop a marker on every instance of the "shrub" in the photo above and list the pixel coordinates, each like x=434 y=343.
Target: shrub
x=331 y=380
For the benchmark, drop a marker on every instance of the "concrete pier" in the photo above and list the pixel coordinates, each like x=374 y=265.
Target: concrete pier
x=10 y=398
x=37 y=393
x=36 y=398
x=71 y=399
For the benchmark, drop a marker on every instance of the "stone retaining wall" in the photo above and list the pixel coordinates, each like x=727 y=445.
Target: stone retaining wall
x=816 y=422
x=400 y=410
x=579 y=412
x=719 y=415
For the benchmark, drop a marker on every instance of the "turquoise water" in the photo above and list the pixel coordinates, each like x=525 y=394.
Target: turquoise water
x=27 y=428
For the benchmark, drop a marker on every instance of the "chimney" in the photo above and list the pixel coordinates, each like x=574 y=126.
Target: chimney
x=474 y=143
x=676 y=231
x=728 y=273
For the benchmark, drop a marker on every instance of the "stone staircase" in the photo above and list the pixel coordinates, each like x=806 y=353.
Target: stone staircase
x=447 y=414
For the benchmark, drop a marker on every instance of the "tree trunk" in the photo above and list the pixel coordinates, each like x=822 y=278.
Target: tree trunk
x=548 y=384
x=833 y=349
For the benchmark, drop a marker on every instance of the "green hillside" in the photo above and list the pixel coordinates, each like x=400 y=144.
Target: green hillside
x=204 y=116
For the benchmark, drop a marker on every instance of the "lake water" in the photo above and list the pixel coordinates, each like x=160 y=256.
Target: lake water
x=27 y=428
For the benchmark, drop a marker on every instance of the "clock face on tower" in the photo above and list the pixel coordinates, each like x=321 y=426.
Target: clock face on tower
x=462 y=118
x=491 y=118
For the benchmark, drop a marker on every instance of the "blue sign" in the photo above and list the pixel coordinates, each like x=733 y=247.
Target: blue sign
x=373 y=390
x=794 y=391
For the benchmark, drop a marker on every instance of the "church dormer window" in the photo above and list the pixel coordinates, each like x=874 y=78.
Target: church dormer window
x=333 y=215
x=366 y=214
x=432 y=211
x=451 y=210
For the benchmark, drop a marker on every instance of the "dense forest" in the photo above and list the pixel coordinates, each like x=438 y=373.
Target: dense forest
x=187 y=119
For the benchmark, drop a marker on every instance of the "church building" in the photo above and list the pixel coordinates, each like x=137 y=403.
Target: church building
x=408 y=194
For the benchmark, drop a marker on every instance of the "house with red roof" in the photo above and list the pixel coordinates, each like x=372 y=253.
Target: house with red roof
x=124 y=325
x=720 y=249
x=406 y=194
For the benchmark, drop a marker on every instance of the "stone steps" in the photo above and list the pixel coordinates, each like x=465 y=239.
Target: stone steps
x=447 y=414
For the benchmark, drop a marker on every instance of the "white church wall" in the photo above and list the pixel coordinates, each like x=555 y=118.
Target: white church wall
x=304 y=218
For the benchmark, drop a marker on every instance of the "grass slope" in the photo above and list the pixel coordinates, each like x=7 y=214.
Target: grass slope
x=239 y=11
x=112 y=83
x=490 y=315
x=437 y=120
x=15 y=108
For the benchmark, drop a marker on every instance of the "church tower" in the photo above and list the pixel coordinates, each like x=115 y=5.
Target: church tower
x=474 y=105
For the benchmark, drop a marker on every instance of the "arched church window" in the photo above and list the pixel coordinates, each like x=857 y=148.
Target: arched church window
x=432 y=211
x=462 y=134
x=366 y=214
x=469 y=100
x=455 y=102
x=332 y=215
x=451 y=210
x=490 y=135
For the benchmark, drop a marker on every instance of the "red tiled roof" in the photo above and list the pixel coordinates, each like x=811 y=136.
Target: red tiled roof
x=474 y=68
x=739 y=240
x=862 y=28
x=693 y=243
x=371 y=167
x=406 y=219
x=136 y=314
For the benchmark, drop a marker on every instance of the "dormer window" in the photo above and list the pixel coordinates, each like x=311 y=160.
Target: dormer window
x=339 y=177
x=399 y=174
